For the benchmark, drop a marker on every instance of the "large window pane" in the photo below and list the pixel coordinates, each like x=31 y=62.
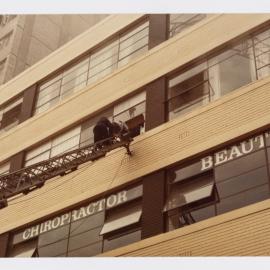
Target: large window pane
x=53 y=236
x=232 y=69
x=188 y=91
x=180 y=22
x=84 y=239
x=262 y=53
x=240 y=165
x=103 y=62
x=4 y=168
x=242 y=199
x=123 y=240
x=86 y=224
x=55 y=249
x=243 y=182
x=90 y=250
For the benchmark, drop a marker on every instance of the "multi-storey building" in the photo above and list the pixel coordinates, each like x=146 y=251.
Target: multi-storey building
x=197 y=183
x=26 y=39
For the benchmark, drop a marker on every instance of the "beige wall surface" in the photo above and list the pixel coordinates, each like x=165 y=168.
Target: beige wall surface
x=159 y=61
x=243 y=232
x=236 y=114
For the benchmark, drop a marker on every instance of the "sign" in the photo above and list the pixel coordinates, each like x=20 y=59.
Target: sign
x=85 y=211
x=235 y=151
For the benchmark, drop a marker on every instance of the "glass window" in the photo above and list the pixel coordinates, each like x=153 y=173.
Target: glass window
x=190 y=200
x=54 y=249
x=188 y=91
x=4 y=168
x=122 y=217
x=75 y=78
x=181 y=173
x=244 y=198
x=10 y=114
x=132 y=112
x=48 y=94
x=240 y=165
x=84 y=239
x=180 y=22
x=53 y=236
x=182 y=194
x=103 y=62
x=66 y=142
x=26 y=249
x=267 y=138
x=87 y=223
x=242 y=182
x=232 y=69
x=123 y=240
x=262 y=53
x=134 y=43
x=90 y=250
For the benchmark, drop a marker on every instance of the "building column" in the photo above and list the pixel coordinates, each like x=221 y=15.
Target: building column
x=153 y=203
x=3 y=244
x=156 y=91
x=28 y=103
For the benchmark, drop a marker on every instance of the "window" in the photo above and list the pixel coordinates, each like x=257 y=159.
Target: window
x=262 y=53
x=122 y=225
x=190 y=198
x=180 y=22
x=133 y=43
x=212 y=79
x=85 y=239
x=10 y=114
x=26 y=249
x=65 y=142
x=232 y=69
x=4 y=168
x=188 y=91
x=132 y=112
x=98 y=64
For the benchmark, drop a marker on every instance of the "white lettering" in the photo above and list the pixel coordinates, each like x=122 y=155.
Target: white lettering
x=245 y=144
x=34 y=230
x=64 y=218
x=82 y=213
x=235 y=153
x=111 y=201
x=26 y=234
x=261 y=141
x=122 y=197
x=74 y=215
x=221 y=157
x=56 y=222
x=46 y=226
x=207 y=163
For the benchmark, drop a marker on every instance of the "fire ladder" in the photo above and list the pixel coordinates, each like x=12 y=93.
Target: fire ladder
x=32 y=177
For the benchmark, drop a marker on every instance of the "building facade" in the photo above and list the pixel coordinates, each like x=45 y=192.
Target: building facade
x=26 y=39
x=197 y=183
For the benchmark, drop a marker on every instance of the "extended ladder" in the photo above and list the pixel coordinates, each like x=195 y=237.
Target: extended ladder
x=34 y=176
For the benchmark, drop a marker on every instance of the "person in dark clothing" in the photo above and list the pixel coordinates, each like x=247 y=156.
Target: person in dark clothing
x=103 y=130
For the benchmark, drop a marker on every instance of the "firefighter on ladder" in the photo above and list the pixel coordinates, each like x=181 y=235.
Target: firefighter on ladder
x=105 y=132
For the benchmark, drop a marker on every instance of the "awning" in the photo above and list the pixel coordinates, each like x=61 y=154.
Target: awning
x=184 y=195
x=122 y=219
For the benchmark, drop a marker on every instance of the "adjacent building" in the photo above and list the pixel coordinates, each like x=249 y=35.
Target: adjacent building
x=197 y=183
